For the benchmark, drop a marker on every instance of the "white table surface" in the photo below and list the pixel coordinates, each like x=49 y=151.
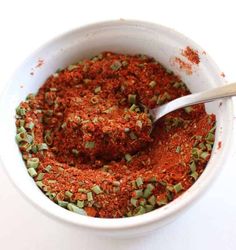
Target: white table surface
x=25 y=25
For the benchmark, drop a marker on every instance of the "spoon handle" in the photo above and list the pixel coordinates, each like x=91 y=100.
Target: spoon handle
x=188 y=100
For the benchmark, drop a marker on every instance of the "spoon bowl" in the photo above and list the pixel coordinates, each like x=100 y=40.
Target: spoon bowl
x=188 y=100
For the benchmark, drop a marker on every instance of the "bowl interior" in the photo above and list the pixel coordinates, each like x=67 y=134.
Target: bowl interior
x=118 y=36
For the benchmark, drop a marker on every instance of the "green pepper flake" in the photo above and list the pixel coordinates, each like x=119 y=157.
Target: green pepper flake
x=72 y=207
x=132 y=98
x=20 y=111
x=139 y=123
x=128 y=157
x=148 y=190
x=32 y=172
x=133 y=136
x=80 y=204
x=125 y=63
x=69 y=194
x=205 y=155
x=48 y=168
x=202 y=146
x=162 y=202
x=133 y=107
x=188 y=110
x=210 y=137
x=34 y=149
x=127 y=130
x=62 y=203
x=148 y=207
x=142 y=202
x=138 y=193
x=75 y=152
x=194 y=175
x=72 y=67
x=96 y=189
x=39 y=184
x=40 y=176
x=29 y=125
x=42 y=146
x=209 y=147
x=97 y=89
x=63 y=125
x=139 y=181
x=152 y=179
x=152 y=200
x=196 y=153
x=90 y=144
x=21 y=130
x=89 y=196
x=116 y=65
x=134 y=202
x=32 y=162
x=178 y=187
x=140 y=210
x=152 y=84
x=178 y=149
x=193 y=166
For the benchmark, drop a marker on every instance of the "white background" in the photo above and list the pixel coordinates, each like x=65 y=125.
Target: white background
x=25 y=25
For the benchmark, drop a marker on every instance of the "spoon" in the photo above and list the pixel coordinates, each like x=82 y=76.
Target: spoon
x=188 y=100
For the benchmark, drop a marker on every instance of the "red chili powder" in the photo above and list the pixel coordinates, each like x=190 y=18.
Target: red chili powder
x=88 y=142
x=187 y=67
x=191 y=55
x=219 y=145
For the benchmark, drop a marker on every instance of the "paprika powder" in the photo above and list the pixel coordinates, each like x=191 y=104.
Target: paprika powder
x=87 y=138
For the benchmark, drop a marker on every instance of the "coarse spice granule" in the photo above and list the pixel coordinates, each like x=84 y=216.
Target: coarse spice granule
x=87 y=138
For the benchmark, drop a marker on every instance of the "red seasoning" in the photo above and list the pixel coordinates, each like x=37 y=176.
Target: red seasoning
x=191 y=55
x=87 y=138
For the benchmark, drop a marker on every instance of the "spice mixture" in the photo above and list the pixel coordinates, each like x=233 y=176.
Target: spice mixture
x=88 y=141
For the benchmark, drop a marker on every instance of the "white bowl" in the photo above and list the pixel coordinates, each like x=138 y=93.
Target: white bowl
x=123 y=36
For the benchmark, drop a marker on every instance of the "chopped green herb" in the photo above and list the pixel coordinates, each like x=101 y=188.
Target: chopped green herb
x=194 y=175
x=193 y=166
x=42 y=146
x=128 y=157
x=32 y=163
x=48 y=168
x=178 y=149
x=69 y=194
x=76 y=209
x=134 y=202
x=96 y=189
x=138 y=193
x=32 y=172
x=178 y=187
x=80 y=204
x=148 y=190
x=204 y=155
x=152 y=84
x=40 y=176
x=89 y=196
x=139 y=181
x=97 y=89
x=140 y=210
x=116 y=65
x=132 y=98
x=188 y=110
x=152 y=200
x=72 y=67
x=90 y=144
x=62 y=203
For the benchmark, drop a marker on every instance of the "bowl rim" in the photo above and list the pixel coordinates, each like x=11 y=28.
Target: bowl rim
x=160 y=214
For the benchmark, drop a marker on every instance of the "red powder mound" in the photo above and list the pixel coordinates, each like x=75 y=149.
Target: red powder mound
x=191 y=55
